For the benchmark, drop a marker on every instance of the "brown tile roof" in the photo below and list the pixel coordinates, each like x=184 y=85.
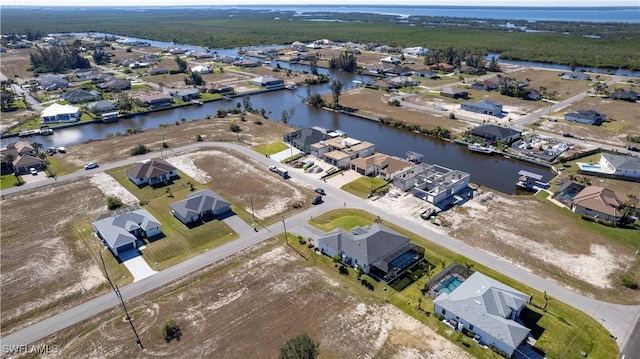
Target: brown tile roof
x=336 y=155
x=150 y=169
x=600 y=200
x=26 y=160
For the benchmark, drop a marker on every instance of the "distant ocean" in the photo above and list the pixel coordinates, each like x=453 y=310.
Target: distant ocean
x=587 y=14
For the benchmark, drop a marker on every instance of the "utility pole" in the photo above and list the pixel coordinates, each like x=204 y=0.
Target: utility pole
x=285 y=230
x=117 y=291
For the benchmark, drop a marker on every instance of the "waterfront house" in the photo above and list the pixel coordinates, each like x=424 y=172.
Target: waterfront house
x=484 y=107
x=203 y=69
x=226 y=59
x=488 y=309
x=246 y=63
x=339 y=151
x=378 y=250
x=454 y=93
x=601 y=203
x=630 y=95
x=302 y=139
x=620 y=165
x=432 y=183
x=380 y=164
x=60 y=113
x=381 y=68
x=157 y=100
x=217 y=88
x=81 y=96
x=151 y=172
x=199 y=205
x=12 y=152
x=587 y=117
x=102 y=106
x=120 y=233
x=493 y=133
x=575 y=76
x=185 y=94
x=267 y=82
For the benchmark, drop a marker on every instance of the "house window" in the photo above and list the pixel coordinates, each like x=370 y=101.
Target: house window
x=470 y=326
x=444 y=311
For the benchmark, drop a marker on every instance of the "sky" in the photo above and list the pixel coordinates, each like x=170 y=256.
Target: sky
x=116 y=3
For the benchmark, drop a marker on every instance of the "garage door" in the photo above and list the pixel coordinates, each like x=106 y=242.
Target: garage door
x=126 y=247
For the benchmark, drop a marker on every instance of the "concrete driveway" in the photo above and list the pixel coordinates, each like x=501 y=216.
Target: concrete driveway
x=136 y=265
x=29 y=178
x=292 y=151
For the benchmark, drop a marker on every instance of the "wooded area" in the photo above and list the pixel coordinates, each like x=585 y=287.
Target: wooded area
x=611 y=45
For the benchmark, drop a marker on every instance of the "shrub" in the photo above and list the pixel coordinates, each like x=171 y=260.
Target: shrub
x=139 y=150
x=629 y=282
x=343 y=270
x=257 y=121
x=165 y=145
x=171 y=330
x=198 y=138
x=234 y=127
x=114 y=202
x=438 y=316
x=394 y=102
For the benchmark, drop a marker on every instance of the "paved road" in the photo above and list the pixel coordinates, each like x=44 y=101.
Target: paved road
x=618 y=319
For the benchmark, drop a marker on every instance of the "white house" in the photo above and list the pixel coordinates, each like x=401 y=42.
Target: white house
x=415 y=51
x=60 y=113
x=432 y=183
x=487 y=308
x=628 y=166
x=203 y=69
x=391 y=60
x=151 y=172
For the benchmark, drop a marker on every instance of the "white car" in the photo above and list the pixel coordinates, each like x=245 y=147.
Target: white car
x=91 y=165
x=33 y=171
x=273 y=168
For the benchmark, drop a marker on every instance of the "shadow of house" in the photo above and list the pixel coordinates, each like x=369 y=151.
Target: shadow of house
x=200 y=207
x=155 y=172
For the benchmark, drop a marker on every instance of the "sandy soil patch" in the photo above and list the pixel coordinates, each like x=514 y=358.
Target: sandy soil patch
x=185 y=164
x=111 y=187
x=259 y=309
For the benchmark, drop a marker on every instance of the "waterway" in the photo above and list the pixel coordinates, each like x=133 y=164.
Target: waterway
x=495 y=172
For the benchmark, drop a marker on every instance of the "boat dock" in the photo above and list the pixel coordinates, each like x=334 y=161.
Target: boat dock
x=42 y=131
x=530 y=181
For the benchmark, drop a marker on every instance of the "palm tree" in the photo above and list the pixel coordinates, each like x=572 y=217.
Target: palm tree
x=37 y=146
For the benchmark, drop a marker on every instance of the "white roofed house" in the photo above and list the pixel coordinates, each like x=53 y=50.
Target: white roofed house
x=60 y=113
x=487 y=308
x=268 y=82
x=203 y=69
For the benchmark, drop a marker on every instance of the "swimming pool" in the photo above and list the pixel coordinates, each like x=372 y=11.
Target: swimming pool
x=404 y=260
x=448 y=285
x=589 y=166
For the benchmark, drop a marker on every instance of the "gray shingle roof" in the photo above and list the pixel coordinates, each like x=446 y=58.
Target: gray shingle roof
x=199 y=202
x=487 y=304
x=493 y=131
x=623 y=162
x=150 y=169
x=366 y=244
x=116 y=230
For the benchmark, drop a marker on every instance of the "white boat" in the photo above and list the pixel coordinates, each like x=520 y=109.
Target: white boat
x=476 y=147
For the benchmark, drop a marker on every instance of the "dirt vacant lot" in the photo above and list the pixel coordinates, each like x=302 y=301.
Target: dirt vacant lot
x=247 y=307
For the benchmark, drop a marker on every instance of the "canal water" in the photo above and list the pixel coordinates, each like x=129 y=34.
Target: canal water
x=496 y=172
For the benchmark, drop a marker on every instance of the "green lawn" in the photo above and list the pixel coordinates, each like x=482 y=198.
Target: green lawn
x=270 y=148
x=8 y=181
x=561 y=331
x=364 y=186
x=178 y=242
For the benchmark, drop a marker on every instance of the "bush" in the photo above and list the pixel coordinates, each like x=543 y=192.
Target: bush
x=257 y=122
x=343 y=270
x=233 y=126
x=139 y=150
x=114 y=202
x=165 y=145
x=198 y=138
x=438 y=316
x=171 y=330
x=394 y=102
x=629 y=283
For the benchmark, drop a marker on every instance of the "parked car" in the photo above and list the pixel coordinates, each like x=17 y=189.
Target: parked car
x=320 y=191
x=33 y=171
x=62 y=149
x=273 y=168
x=316 y=200
x=91 y=165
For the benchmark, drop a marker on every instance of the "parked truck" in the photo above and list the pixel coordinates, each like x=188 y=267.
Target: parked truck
x=282 y=172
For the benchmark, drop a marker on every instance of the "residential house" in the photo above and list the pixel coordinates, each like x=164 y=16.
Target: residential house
x=157 y=71
x=391 y=60
x=432 y=183
x=13 y=152
x=415 y=51
x=127 y=62
x=115 y=84
x=203 y=69
x=588 y=117
x=79 y=96
x=575 y=76
x=85 y=74
x=400 y=71
x=378 y=250
x=601 y=203
x=493 y=133
x=426 y=73
x=486 y=85
x=533 y=95
x=177 y=51
x=150 y=58
x=339 y=151
x=157 y=100
x=103 y=106
x=199 y=205
x=226 y=59
x=217 y=88
x=302 y=139
x=485 y=107
x=380 y=164
x=487 y=308
x=313 y=46
x=246 y=63
x=630 y=95
x=381 y=68
x=120 y=233
x=198 y=55
x=185 y=94
x=620 y=165
x=402 y=81
x=52 y=82
x=454 y=93
x=267 y=82
x=443 y=66
x=151 y=172
x=23 y=164
x=101 y=77
x=60 y=113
